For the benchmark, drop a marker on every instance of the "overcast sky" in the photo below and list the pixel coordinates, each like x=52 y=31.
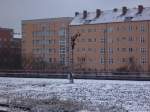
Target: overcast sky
x=13 y=11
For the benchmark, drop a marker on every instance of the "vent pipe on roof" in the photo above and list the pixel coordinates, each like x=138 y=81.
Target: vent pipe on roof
x=140 y=9
x=98 y=13
x=76 y=13
x=84 y=14
x=115 y=9
x=124 y=10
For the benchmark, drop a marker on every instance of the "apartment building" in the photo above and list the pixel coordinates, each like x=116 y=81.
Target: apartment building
x=10 y=51
x=46 y=39
x=16 y=53
x=112 y=40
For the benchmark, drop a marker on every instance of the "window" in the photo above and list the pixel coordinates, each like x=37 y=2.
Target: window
x=81 y=59
x=55 y=41
x=102 y=50
x=54 y=50
x=89 y=30
x=62 y=55
x=110 y=61
x=62 y=52
x=142 y=40
x=50 y=50
x=82 y=40
x=123 y=38
x=102 y=40
x=130 y=39
x=142 y=28
x=62 y=38
x=82 y=30
x=34 y=34
x=110 y=30
x=130 y=50
x=89 y=49
x=33 y=42
x=34 y=51
x=61 y=32
x=50 y=60
x=47 y=51
x=124 y=60
x=130 y=28
x=143 y=50
x=89 y=40
x=55 y=60
x=46 y=42
x=62 y=42
x=83 y=49
x=62 y=59
x=102 y=60
x=110 y=50
x=50 y=42
x=94 y=30
x=143 y=60
x=118 y=49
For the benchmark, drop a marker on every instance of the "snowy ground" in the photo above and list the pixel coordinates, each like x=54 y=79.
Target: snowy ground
x=134 y=96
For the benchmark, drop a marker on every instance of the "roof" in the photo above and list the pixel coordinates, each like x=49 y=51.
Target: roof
x=48 y=20
x=6 y=29
x=109 y=16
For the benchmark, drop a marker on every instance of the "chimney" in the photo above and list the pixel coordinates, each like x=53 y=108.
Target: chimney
x=140 y=9
x=76 y=13
x=84 y=14
x=98 y=13
x=124 y=10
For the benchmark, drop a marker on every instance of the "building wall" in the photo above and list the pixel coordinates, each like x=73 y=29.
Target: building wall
x=16 y=53
x=46 y=39
x=5 y=39
x=9 y=56
x=109 y=46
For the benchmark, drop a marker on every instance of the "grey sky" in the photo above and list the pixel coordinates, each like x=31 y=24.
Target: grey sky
x=13 y=11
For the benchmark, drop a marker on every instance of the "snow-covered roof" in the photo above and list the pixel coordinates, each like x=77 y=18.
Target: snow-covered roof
x=109 y=16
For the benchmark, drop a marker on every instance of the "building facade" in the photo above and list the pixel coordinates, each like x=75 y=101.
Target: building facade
x=46 y=40
x=10 y=58
x=112 y=40
x=16 y=53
